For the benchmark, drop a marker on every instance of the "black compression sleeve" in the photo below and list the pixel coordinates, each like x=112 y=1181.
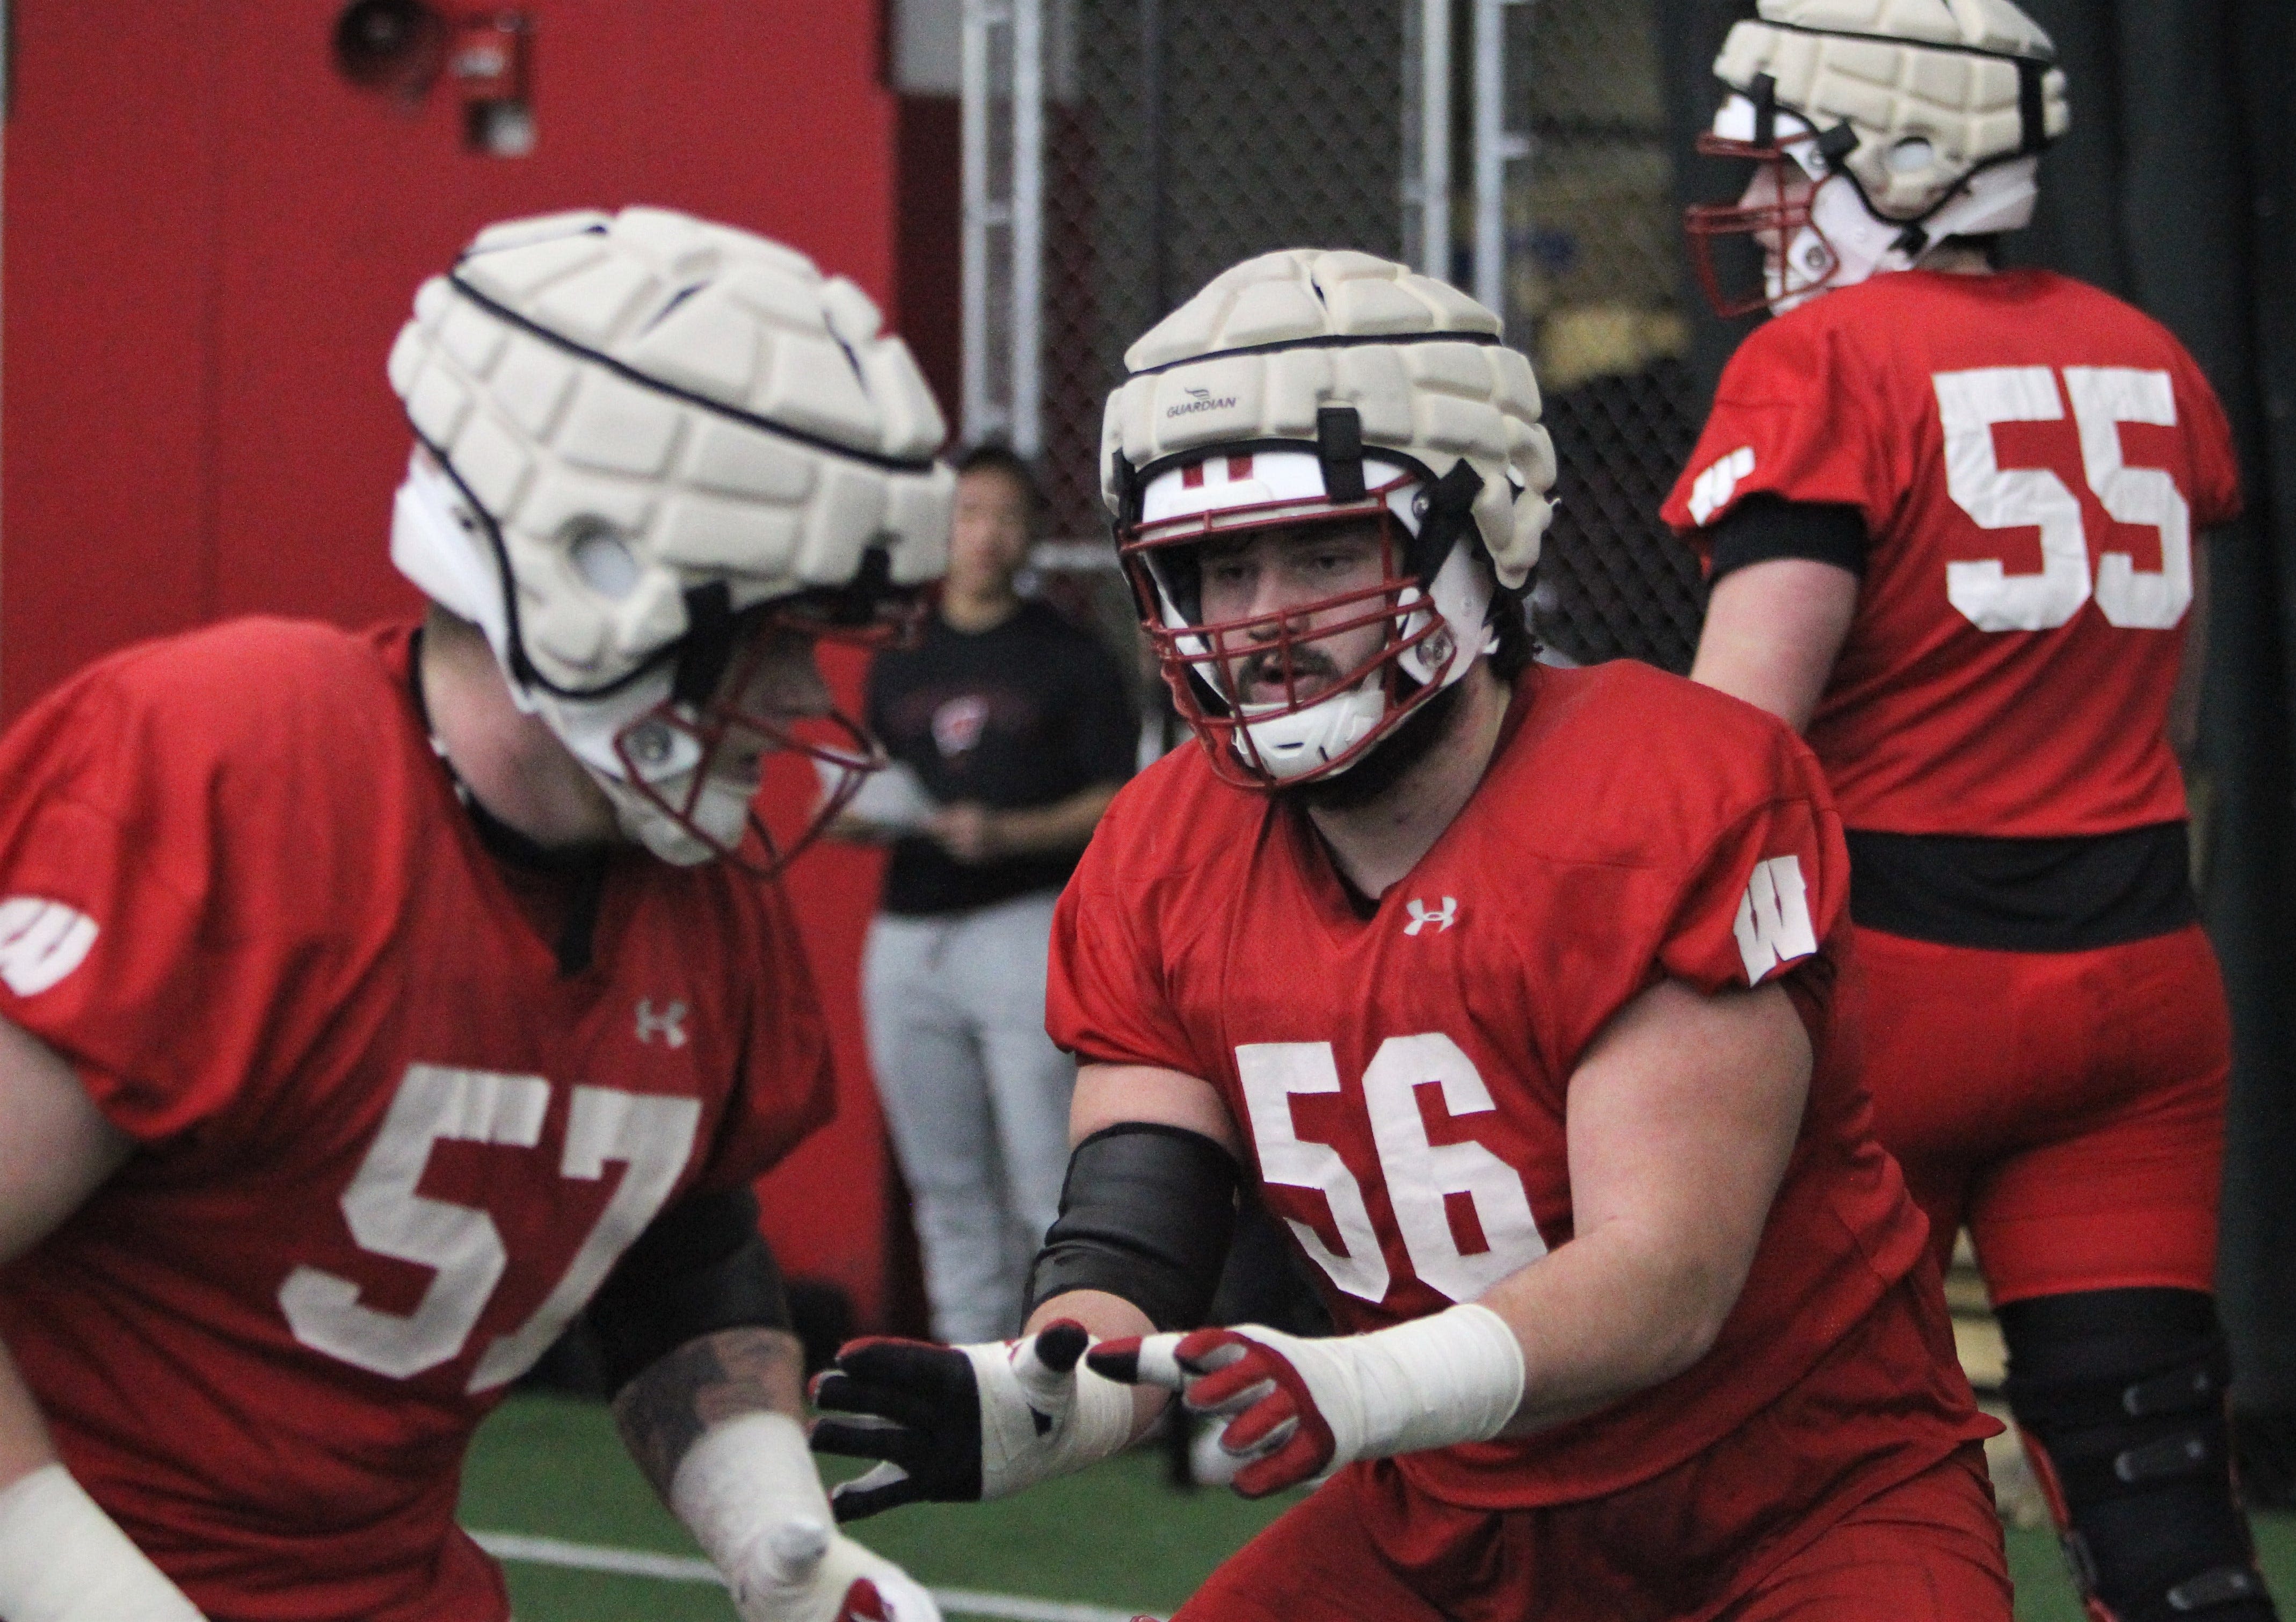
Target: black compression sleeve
x=1146 y=1214
x=700 y=1267
x=1764 y=526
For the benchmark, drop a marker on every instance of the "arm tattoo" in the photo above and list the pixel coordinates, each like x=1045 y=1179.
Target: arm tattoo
x=665 y=1410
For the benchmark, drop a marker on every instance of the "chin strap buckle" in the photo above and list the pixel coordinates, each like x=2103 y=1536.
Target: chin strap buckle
x=2032 y=110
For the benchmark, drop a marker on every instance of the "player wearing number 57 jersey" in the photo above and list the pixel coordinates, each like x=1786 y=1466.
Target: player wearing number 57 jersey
x=370 y=1005
x=1515 y=991
x=1952 y=516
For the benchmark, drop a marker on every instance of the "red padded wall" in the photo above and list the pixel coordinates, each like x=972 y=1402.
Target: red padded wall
x=211 y=238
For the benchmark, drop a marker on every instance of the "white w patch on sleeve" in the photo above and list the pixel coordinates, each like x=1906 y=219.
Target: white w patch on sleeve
x=1711 y=491
x=40 y=942
x=1773 y=925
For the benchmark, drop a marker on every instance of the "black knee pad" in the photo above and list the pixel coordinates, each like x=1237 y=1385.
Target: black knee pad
x=2120 y=1395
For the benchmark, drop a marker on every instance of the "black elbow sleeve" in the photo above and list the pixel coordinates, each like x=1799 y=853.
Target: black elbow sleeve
x=1146 y=1213
x=1764 y=526
x=700 y=1267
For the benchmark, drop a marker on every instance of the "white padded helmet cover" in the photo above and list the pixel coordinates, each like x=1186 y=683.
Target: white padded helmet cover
x=1940 y=72
x=1239 y=363
x=653 y=402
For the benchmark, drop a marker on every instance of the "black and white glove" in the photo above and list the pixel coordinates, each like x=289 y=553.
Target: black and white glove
x=955 y=1424
x=749 y=1491
x=1297 y=1409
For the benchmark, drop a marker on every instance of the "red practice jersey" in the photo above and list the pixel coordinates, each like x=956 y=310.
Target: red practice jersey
x=1401 y=1077
x=2033 y=459
x=387 y=1149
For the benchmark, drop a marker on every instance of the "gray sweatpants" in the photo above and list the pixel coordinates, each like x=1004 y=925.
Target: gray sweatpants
x=977 y=1097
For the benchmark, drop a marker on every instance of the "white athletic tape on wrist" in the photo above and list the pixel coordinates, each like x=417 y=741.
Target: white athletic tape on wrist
x=1433 y=1382
x=1092 y=1417
x=1455 y=1376
x=750 y=1494
x=63 y=1560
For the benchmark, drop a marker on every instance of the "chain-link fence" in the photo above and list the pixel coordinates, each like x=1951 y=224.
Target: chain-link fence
x=1184 y=135
x=1201 y=133
x=1594 y=293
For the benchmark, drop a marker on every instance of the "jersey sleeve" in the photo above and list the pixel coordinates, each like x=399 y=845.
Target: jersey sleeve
x=126 y=943
x=2209 y=444
x=1106 y=1000
x=1768 y=891
x=1791 y=420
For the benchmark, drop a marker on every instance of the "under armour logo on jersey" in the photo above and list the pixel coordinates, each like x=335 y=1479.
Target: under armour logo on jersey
x=41 y=942
x=1443 y=918
x=1773 y=925
x=669 y=1025
x=1711 y=491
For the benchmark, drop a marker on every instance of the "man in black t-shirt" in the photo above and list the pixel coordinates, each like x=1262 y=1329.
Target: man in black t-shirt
x=1015 y=726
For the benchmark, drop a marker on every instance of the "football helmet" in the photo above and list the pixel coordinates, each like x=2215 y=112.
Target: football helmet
x=642 y=440
x=1880 y=128
x=1304 y=387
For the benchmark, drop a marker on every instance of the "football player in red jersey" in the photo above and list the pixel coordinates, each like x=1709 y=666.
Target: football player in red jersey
x=1512 y=990
x=370 y=1004
x=1949 y=514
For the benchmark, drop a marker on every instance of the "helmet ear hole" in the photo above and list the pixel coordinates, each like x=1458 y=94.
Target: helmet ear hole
x=1912 y=155
x=601 y=557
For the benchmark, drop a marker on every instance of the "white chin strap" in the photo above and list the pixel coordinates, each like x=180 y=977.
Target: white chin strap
x=440 y=545
x=1305 y=739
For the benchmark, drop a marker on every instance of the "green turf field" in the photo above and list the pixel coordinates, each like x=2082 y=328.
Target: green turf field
x=1113 y=1537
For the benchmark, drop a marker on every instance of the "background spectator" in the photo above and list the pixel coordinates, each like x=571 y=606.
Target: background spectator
x=1015 y=732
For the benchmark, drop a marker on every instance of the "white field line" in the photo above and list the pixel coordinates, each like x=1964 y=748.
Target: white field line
x=677 y=1569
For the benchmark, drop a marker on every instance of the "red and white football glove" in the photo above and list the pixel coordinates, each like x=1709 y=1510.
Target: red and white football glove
x=1298 y=1409
x=953 y=1424
x=749 y=1491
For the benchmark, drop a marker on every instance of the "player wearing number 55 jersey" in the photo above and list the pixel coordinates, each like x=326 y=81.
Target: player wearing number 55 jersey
x=369 y=1005
x=1951 y=516
x=1513 y=989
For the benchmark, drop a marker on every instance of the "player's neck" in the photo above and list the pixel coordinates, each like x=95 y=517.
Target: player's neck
x=510 y=762
x=1958 y=258
x=1377 y=843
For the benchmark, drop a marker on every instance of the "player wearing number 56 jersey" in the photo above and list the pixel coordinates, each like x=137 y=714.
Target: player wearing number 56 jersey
x=1953 y=518
x=1515 y=992
x=370 y=1005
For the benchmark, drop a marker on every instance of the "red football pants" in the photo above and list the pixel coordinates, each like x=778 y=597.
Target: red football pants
x=1366 y=1547
x=2067 y=1106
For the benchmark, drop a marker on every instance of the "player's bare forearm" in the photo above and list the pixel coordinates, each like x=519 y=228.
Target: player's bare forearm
x=24 y=1444
x=56 y=1149
x=663 y=1411
x=1109 y=1095
x=1772 y=630
x=1683 y=1116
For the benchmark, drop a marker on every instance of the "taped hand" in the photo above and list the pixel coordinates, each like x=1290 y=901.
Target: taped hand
x=966 y=1422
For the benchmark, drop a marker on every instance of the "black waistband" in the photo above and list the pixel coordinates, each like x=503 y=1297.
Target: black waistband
x=2070 y=894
